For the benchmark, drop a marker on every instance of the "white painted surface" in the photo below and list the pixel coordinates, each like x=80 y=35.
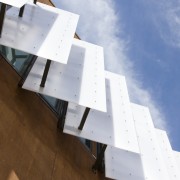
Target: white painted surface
x=177 y=158
x=81 y=80
x=114 y=127
x=15 y=3
x=151 y=154
x=43 y=30
x=168 y=155
x=123 y=165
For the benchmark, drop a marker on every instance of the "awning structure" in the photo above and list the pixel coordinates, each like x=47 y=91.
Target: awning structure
x=14 y=3
x=121 y=164
x=81 y=80
x=157 y=155
x=114 y=127
x=177 y=158
x=99 y=108
x=158 y=159
x=168 y=155
x=153 y=162
x=43 y=31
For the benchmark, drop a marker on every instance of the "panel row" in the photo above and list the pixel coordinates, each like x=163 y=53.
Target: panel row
x=156 y=160
x=73 y=70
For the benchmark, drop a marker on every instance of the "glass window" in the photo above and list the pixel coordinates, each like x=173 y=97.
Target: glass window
x=18 y=59
x=86 y=142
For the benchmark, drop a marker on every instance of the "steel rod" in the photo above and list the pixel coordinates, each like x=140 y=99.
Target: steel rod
x=99 y=159
x=46 y=70
x=83 y=120
x=2 y=15
x=21 y=11
x=61 y=119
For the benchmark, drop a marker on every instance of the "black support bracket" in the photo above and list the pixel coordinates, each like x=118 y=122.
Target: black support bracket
x=98 y=162
x=46 y=70
x=21 y=11
x=2 y=14
x=35 y=1
x=62 y=114
x=83 y=120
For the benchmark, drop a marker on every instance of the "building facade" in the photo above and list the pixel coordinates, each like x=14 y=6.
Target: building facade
x=31 y=145
x=39 y=134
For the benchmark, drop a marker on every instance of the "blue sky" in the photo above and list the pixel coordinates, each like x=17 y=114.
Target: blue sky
x=141 y=40
x=156 y=59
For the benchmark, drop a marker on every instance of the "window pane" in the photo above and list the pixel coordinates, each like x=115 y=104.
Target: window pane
x=18 y=59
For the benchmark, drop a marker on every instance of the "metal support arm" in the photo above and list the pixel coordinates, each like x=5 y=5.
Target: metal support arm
x=62 y=114
x=21 y=11
x=46 y=70
x=99 y=159
x=2 y=14
x=83 y=120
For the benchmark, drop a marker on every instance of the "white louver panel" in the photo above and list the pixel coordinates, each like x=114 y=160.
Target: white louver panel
x=136 y=150
x=151 y=155
x=81 y=80
x=177 y=158
x=121 y=164
x=168 y=155
x=15 y=3
x=43 y=31
x=114 y=127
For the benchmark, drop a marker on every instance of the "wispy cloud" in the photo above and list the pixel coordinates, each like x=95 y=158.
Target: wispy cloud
x=167 y=20
x=100 y=24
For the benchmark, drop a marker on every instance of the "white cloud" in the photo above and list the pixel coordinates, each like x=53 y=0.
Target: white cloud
x=99 y=24
x=167 y=20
